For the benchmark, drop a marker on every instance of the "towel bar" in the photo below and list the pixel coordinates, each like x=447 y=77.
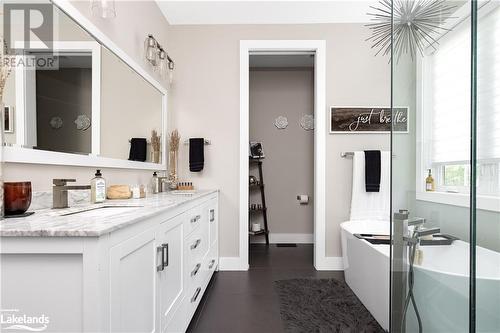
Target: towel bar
x=347 y=154
x=207 y=142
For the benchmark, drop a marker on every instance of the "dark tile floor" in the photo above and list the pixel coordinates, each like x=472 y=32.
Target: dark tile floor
x=246 y=301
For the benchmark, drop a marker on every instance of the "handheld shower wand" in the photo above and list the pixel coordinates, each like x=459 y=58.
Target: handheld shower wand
x=413 y=242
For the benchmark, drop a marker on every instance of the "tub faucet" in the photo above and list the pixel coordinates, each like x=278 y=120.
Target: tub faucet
x=60 y=192
x=416 y=221
x=419 y=233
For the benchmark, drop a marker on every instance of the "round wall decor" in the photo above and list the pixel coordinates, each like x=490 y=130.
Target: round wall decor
x=307 y=122
x=82 y=122
x=281 y=122
x=56 y=122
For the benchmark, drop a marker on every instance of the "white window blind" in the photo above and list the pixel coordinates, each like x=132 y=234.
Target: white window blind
x=450 y=97
x=488 y=86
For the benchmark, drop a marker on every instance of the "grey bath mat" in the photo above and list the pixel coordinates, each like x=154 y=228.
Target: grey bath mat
x=322 y=305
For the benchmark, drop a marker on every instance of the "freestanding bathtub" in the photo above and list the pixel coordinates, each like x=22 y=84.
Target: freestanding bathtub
x=441 y=283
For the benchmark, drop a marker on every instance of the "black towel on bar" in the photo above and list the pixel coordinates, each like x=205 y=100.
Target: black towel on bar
x=138 y=147
x=196 y=154
x=372 y=170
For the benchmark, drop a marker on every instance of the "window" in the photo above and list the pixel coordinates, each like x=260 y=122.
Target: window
x=455 y=175
x=446 y=108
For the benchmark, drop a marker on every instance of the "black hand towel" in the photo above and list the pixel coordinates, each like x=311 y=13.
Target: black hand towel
x=372 y=170
x=196 y=154
x=138 y=147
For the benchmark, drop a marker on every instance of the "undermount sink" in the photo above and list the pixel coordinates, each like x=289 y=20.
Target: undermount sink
x=103 y=211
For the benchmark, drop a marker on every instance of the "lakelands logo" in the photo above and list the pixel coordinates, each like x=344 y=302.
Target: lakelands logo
x=13 y=319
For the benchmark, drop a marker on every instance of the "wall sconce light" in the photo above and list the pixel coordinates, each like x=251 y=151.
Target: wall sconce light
x=103 y=8
x=158 y=57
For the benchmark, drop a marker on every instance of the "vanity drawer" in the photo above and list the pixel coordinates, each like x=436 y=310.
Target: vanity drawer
x=213 y=215
x=193 y=220
x=196 y=246
x=210 y=264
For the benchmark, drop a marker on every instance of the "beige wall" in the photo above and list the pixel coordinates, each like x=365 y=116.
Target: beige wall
x=205 y=102
x=289 y=163
x=133 y=22
x=135 y=19
x=130 y=107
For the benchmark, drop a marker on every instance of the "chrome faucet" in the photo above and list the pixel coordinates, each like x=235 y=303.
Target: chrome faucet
x=416 y=221
x=418 y=230
x=60 y=192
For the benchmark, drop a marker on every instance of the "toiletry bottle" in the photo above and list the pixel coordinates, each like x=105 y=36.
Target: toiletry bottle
x=97 y=188
x=155 y=183
x=429 y=183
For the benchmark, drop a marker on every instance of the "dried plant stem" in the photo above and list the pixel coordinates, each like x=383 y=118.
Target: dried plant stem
x=174 y=140
x=4 y=68
x=155 y=141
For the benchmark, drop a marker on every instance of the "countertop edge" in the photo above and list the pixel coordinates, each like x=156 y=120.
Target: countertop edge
x=72 y=233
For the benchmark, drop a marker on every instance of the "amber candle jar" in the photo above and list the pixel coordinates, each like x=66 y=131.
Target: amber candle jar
x=17 y=197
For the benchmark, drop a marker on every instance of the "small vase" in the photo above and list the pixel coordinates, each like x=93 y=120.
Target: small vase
x=155 y=156
x=172 y=167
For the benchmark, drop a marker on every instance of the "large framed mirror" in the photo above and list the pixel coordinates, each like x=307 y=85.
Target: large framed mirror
x=83 y=101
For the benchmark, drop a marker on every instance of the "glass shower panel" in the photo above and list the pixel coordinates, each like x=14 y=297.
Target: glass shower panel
x=488 y=168
x=431 y=64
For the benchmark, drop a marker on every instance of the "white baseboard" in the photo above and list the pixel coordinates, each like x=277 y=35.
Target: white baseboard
x=275 y=238
x=231 y=264
x=330 y=264
x=234 y=264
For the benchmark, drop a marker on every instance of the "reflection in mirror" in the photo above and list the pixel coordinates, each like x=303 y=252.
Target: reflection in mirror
x=50 y=89
x=63 y=99
x=79 y=97
x=130 y=108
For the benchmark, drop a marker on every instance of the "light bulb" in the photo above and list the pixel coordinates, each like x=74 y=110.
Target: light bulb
x=151 y=52
x=104 y=8
x=171 y=72
x=162 y=62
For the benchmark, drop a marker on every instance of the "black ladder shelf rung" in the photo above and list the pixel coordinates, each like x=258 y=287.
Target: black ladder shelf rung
x=263 y=209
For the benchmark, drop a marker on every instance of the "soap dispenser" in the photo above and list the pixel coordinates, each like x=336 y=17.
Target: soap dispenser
x=98 y=188
x=155 y=183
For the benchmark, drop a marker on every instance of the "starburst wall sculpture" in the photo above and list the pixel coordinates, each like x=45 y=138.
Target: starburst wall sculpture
x=416 y=25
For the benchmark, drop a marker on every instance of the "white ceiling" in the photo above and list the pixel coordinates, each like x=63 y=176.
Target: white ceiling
x=265 y=12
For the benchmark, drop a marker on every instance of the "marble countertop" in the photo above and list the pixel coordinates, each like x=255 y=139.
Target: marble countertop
x=53 y=223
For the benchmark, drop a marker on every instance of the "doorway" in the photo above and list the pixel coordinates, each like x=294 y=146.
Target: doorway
x=281 y=168
x=316 y=49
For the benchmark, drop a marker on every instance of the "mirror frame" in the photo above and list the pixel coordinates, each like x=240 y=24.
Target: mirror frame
x=17 y=154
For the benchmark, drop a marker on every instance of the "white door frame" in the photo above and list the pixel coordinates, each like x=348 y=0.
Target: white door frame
x=320 y=132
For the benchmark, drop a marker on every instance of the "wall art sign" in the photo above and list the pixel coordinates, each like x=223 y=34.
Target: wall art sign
x=368 y=119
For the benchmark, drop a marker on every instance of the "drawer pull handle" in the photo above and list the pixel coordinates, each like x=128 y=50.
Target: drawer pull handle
x=195 y=270
x=195 y=219
x=195 y=244
x=164 y=257
x=196 y=294
x=212 y=215
x=212 y=263
x=161 y=266
x=165 y=254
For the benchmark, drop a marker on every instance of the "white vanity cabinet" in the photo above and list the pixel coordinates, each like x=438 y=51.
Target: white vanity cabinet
x=148 y=276
x=133 y=284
